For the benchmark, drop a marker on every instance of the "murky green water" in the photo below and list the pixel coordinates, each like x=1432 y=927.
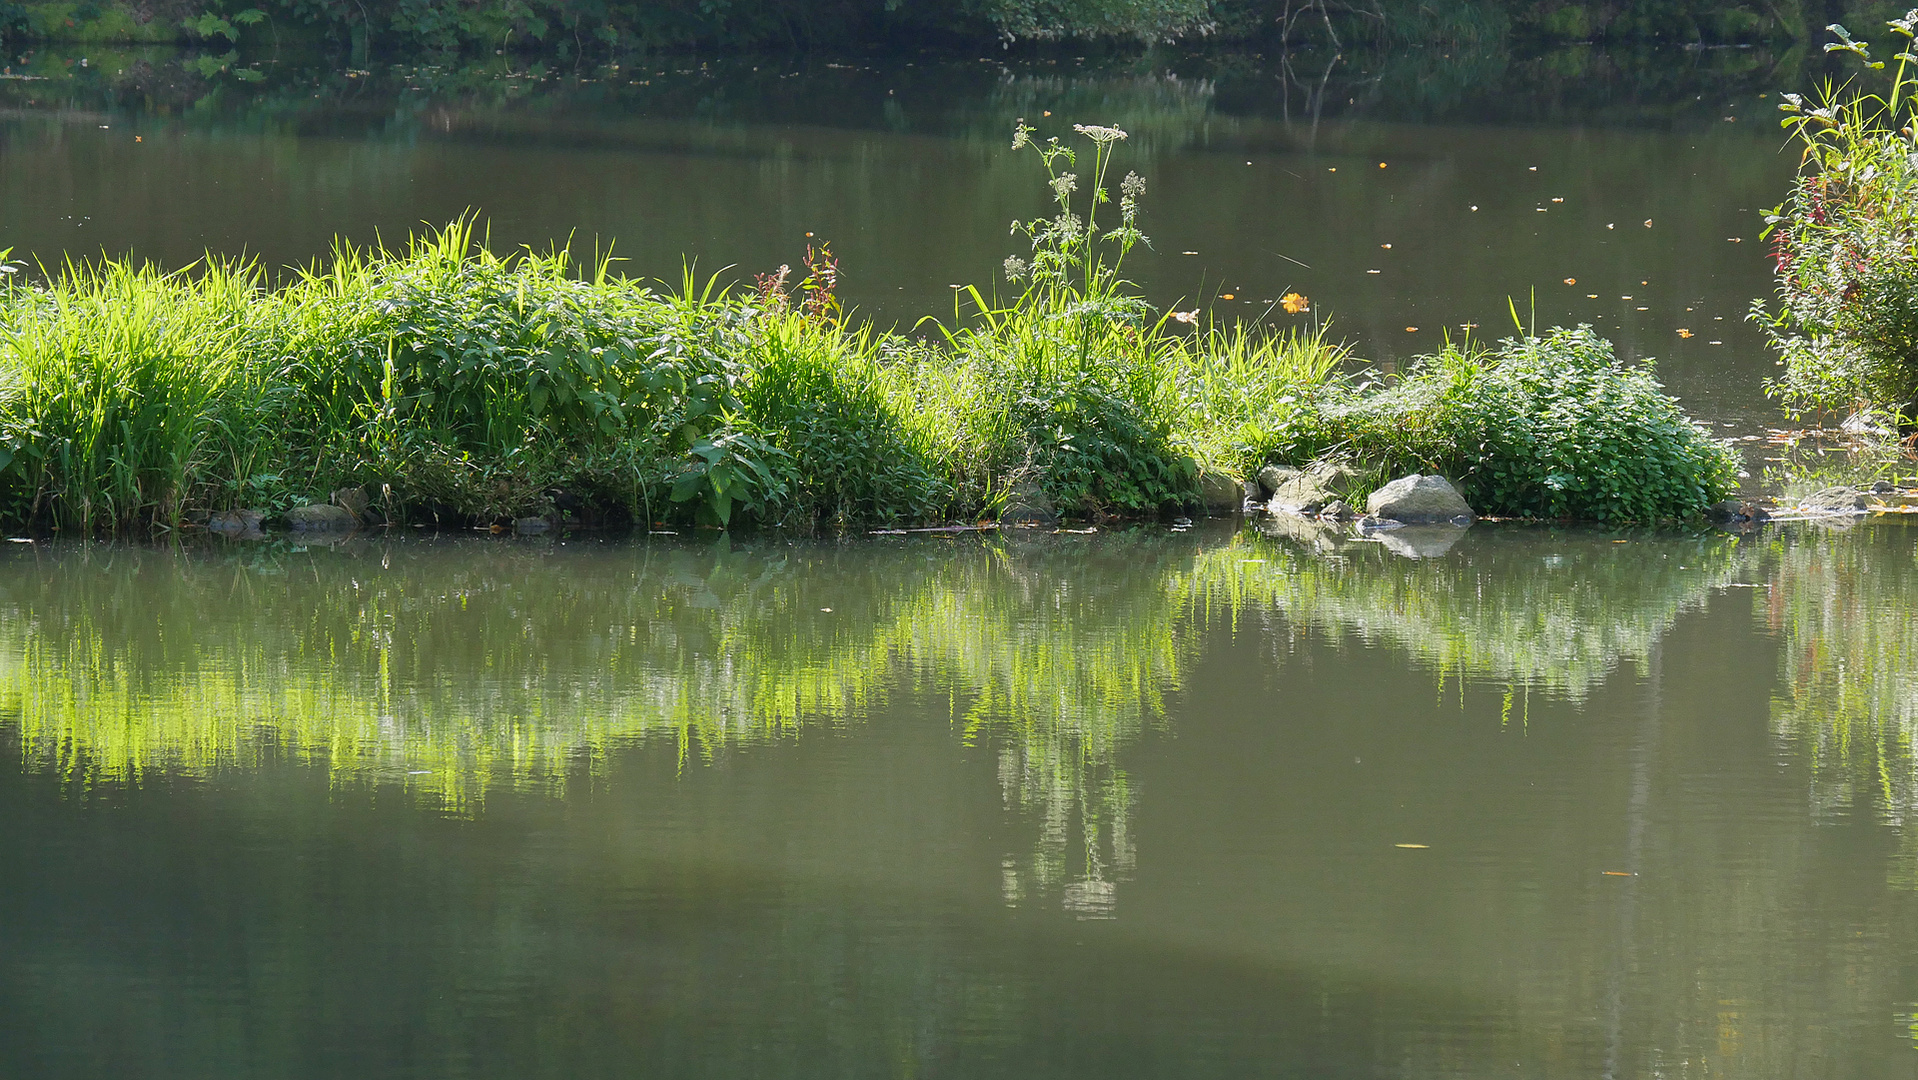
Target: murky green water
x=1131 y=804
x=1639 y=178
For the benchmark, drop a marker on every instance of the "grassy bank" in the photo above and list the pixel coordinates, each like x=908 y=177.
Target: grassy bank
x=451 y=383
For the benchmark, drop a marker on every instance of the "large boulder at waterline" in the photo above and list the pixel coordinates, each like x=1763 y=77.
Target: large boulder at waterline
x=1306 y=491
x=1221 y=494
x=1835 y=500
x=1419 y=499
x=321 y=517
x=236 y=522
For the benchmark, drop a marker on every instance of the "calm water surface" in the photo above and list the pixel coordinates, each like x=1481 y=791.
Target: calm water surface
x=1409 y=196
x=1134 y=804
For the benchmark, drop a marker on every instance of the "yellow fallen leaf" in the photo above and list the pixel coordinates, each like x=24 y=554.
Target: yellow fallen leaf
x=1571 y=281
x=1419 y=846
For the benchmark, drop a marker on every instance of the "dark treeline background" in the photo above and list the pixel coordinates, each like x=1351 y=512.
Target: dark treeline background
x=604 y=30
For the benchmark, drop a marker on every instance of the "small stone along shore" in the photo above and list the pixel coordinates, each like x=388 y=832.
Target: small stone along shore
x=1882 y=497
x=1323 y=492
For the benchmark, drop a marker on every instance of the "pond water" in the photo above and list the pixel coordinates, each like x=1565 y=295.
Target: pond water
x=1215 y=802
x=1218 y=802
x=1408 y=196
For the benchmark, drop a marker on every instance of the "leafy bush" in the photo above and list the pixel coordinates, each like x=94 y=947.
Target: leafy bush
x=1551 y=427
x=1845 y=246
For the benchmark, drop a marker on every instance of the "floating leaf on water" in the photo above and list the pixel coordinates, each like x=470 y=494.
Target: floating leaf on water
x=1294 y=303
x=1411 y=329
x=1682 y=332
x=1619 y=873
x=1420 y=847
x=1571 y=281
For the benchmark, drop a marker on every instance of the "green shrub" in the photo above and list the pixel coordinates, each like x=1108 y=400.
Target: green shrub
x=1845 y=246
x=1545 y=427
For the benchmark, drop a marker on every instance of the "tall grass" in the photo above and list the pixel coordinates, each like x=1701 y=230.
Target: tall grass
x=125 y=388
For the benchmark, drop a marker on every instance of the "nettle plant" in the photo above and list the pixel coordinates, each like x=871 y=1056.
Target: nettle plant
x=1845 y=245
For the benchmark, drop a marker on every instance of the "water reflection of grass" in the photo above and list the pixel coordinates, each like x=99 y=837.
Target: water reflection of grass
x=449 y=669
x=508 y=660
x=1847 y=694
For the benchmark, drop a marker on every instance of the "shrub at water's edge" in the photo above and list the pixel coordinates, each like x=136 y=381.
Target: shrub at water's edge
x=1544 y=427
x=454 y=384
x=1845 y=245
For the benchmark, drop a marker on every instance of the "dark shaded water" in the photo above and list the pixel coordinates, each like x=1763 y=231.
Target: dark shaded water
x=1408 y=196
x=1128 y=804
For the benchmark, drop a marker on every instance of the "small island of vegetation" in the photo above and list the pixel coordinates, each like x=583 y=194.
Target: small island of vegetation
x=448 y=383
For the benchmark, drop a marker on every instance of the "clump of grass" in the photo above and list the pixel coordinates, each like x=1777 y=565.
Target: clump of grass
x=1845 y=245
x=819 y=393
x=123 y=388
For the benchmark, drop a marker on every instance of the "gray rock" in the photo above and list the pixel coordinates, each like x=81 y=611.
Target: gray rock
x=1423 y=541
x=1729 y=510
x=1336 y=510
x=1834 y=500
x=1273 y=476
x=1334 y=476
x=352 y=500
x=1300 y=494
x=321 y=517
x=1372 y=523
x=1883 y=487
x=1221 y=494
x=236 y=521
x=1028 y=504
x=1418 y=499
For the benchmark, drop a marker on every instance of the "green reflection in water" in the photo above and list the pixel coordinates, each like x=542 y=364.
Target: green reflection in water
x=453 y=666
x=1840 y=599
